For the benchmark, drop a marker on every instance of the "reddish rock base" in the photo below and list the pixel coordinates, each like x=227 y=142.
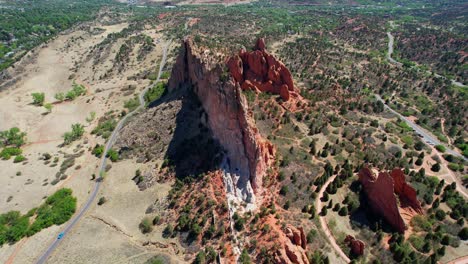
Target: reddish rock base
x=382 y=192
x=260 y=71
x=286 y=244
x=356 y=245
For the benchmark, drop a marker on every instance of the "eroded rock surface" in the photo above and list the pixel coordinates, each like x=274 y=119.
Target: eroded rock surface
x=390 y=196
x=260 y=71
x=227 y=115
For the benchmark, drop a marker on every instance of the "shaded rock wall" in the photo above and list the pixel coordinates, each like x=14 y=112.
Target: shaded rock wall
x=228 y=116
x=383 y=193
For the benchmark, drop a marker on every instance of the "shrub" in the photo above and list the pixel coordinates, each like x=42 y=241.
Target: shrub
x=12 y=137
x=155 y=92
x=98 y=150
x=102 y=200
x=244 y=257
x=343 y=211
x=38 y=98
x=440 y=148
x=132 y=104
x=76 y=133
x=59 y=97
x=105 y=128
x=445 y=240
x=239 y=224
x=7 y=153
x=168 y=231
x=113 y=155
x=19 y=158
x=463 y=234
x=435 y=167
x=145 y=226
x=157 y=220
x=284 y=190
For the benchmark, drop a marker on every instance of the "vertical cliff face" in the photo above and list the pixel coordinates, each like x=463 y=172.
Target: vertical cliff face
x=382 y=191
x=228 y=116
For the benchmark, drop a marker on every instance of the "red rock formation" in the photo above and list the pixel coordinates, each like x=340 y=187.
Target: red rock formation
x=406 y=193
x=229 y=117
x=356 y=245
x=288 y=244
x=260 y=71
x=382 y=192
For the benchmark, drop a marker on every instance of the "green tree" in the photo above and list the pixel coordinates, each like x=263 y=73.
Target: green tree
x=463 y=234
x=113 y=155
x=38 y=98
x=244 y=257
x=76 y=133
x=435 y=167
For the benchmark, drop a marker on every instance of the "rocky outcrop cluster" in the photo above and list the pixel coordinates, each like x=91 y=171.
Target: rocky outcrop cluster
x=260 y=71
x=357 y=246
x=228 y=116
x=294 y=248
x=390 y=196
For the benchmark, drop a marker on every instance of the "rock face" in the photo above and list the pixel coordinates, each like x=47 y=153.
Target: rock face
x=356 y=245
x=228 y=116
x=383 y=193
x=260 y=71
x=293 y=251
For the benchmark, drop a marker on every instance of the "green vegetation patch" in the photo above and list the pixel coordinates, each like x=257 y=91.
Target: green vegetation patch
x=105 y=128
x=76 y=133
x=11 y=140
x=132 y=104
x=155 y=92
x=57 y=210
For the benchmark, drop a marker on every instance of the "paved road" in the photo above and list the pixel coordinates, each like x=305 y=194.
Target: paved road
x=391 y=39
x=102 y=167
x=427 y=137
x=323 y=222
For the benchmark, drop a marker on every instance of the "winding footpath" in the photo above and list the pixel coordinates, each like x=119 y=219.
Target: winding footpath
x=323 y=221
x=102 y=166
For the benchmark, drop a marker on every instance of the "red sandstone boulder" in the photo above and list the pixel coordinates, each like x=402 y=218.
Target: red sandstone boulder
x=382 y=192
x=356 y=245
x=261 y=70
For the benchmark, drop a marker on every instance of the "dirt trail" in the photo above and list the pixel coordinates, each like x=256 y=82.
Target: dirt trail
x=323 y=222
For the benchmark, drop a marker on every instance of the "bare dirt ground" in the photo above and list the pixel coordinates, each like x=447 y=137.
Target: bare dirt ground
x=109 y=233
x=112 y=229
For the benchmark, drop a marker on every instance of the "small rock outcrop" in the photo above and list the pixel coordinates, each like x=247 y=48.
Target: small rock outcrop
x=356 y=245
x=249 y=155
x=293 y=250
x=390 y=196
x=260 y=71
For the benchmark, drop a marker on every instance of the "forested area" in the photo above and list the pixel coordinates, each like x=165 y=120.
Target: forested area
x=24 y=25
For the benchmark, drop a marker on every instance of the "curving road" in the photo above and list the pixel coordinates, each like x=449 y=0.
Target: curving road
x=427 y=137
x=102 y=167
